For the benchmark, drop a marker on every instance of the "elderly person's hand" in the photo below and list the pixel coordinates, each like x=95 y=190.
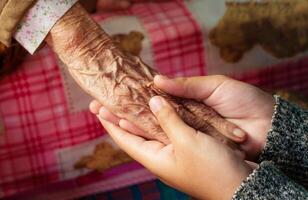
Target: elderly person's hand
x=193 y=162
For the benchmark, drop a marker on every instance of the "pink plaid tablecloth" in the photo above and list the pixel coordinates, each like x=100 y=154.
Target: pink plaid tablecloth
x=37 y=121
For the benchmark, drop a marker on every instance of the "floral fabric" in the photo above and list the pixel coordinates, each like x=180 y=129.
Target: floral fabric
x=39 y=20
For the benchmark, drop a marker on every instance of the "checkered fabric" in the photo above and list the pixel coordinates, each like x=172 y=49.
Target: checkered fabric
x=289 y=76
x=37 y=121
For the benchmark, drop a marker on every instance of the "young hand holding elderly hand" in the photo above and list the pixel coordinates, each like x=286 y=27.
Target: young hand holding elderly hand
x=195 y=162
x=242 y=104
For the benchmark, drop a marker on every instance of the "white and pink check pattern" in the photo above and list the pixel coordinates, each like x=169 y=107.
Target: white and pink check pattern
x=38 y=122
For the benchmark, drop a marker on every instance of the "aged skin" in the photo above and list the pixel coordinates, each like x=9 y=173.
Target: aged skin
x=130 y=43
x=121 y=82
x=104 y=157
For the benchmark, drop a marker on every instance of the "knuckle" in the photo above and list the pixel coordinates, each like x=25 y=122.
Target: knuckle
x=183 y=81
x=211 y=118
x=225 y=126
x=218 y=122
x=162 y=137
x=205 y=128
x=186 y=85
x=158 y=134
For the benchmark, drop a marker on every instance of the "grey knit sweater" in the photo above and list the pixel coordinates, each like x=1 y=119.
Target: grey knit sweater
x=283 y=170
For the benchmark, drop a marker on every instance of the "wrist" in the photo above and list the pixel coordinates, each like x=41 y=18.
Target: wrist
x=238 y=178
x=259 y=124
x=227 y=183
x=76 y=36
x=267 y=122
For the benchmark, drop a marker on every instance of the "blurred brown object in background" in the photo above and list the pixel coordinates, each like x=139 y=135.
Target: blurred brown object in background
x=105 y=156
x=2 y=48
x=105 y=5
x=293 y=97
x=129 y=43
x=89 y=5
x=10 y=58
x=279 y=27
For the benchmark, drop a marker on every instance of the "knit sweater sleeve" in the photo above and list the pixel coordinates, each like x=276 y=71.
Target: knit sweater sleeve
x=287 y=141
x=268 y=182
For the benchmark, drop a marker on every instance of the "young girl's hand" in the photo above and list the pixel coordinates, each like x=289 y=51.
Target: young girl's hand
x=194 y=162
x=242 y=104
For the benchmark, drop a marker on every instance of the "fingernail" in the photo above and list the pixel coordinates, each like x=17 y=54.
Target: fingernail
x=239 y=133
x=100 y=112
x=156 y=104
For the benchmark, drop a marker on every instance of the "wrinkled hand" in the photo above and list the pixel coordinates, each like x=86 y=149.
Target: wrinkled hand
x=244 y=105
x=193 y=162
x=123 y=83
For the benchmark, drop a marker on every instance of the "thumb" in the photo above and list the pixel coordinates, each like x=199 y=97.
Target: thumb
x=199 y=87
x=176 y=129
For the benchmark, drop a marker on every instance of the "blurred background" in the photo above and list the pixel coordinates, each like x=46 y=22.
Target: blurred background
x=52 y=147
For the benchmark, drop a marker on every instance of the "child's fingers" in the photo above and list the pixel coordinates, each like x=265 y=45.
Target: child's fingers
x=148 y=153
x=95 y=106
x=128 y=126
x=105 y=114
x=200 y=87
x=126 y=141
x=177 y=131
